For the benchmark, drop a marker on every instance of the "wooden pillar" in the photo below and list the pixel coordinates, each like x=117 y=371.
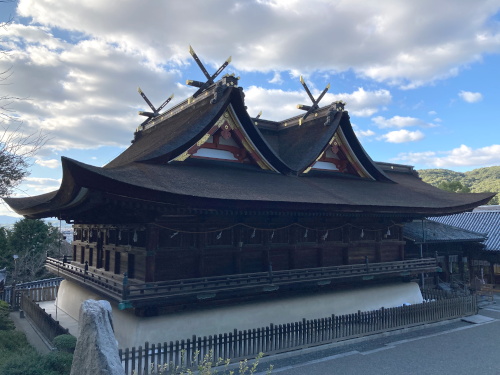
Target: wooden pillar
x=237 y=252
x=461 y=268
x=470 y=265
x=292 y=250
x=100 y=241
x=152 y=244
x=291 y=257
x=378 y=247
x=201 y=249
x=346 y=239
x=320 y=255
x=345 y=255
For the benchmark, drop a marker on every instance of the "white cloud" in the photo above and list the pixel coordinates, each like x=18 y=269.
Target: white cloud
x=50 y=163
x=38 y=185
x=364 y=103
x=82 y=95
x=462 y=156
x=400 y=42
x=275 y=104
x=279 y=104
x=400 y=122
x=402 y=136
x=276 y=78
x=364 y=133
x=7 y=211
x=470 y=97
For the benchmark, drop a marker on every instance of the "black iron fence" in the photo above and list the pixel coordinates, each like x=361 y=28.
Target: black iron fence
x=274 y=339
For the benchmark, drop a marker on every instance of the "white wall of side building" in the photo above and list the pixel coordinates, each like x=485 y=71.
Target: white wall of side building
x=131 y=330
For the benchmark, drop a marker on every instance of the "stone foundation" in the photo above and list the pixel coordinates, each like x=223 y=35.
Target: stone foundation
x=131 y=330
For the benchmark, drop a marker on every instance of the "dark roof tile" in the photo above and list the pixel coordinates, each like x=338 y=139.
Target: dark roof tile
x=428 y=231
x=480 y=221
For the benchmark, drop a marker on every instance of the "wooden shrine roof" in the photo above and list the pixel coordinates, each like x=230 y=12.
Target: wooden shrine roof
x=157 y=167
x=484 y=221
x=206 y=185
x=428 y=231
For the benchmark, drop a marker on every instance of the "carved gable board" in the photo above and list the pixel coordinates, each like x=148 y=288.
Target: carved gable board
x=339 y=157
x=227 y=141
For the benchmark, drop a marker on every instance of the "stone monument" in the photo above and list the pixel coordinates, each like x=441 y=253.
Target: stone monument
x=96 y=350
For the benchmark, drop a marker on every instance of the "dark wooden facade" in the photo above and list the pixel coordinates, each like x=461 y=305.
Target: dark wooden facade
x=169 y=251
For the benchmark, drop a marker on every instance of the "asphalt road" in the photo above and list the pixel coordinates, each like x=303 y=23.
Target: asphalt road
x=454 y=348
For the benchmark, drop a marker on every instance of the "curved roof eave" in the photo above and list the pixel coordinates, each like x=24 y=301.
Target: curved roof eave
x=301 y=145
x=178 y=185
x=242 y=189
x=365 y=160
x=257 y=138
x=40 y=206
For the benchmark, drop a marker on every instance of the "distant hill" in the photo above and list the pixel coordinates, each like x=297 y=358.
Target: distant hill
x=8 y=220
x=478 y=180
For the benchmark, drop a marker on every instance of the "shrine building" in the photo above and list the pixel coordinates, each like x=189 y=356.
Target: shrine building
x=213 y=219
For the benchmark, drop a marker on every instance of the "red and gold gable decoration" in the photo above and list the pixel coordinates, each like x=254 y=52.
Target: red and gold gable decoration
x=338 y=157
x=226 y=141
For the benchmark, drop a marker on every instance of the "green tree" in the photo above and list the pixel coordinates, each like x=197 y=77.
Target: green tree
x=479 y=180
x=454 y=187
x=31 y=240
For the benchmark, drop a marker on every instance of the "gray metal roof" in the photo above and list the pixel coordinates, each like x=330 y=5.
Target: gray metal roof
x=490 y=207
x=430 y=231
x=477 y=221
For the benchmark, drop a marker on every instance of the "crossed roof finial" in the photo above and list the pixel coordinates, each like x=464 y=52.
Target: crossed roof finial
x=202 y=86
x=156 y=111
x=310 y=108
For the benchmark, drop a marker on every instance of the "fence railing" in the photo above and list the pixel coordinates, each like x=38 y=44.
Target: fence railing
x=6 y=294
x=49 y=327
x=286 y=337
x=140 y=293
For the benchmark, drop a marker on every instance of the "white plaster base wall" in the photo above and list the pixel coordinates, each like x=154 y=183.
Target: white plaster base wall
x=131 y=330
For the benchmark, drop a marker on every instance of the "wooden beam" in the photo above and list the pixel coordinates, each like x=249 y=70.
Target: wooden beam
x=152 y=244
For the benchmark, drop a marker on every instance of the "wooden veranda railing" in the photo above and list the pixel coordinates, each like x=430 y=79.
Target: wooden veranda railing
x=247 y=344
x=138 y=293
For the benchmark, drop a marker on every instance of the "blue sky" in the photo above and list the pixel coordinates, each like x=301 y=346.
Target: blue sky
x=420 y=79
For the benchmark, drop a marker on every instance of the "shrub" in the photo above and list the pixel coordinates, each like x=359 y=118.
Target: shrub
x=5 y=322
x=12 y=342
x=25 y=363
x=65 y=343
x=58 y=362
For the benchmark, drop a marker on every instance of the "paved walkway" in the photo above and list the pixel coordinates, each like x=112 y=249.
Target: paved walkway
x=34 y=336
x=451 y=347
x=454 y=347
